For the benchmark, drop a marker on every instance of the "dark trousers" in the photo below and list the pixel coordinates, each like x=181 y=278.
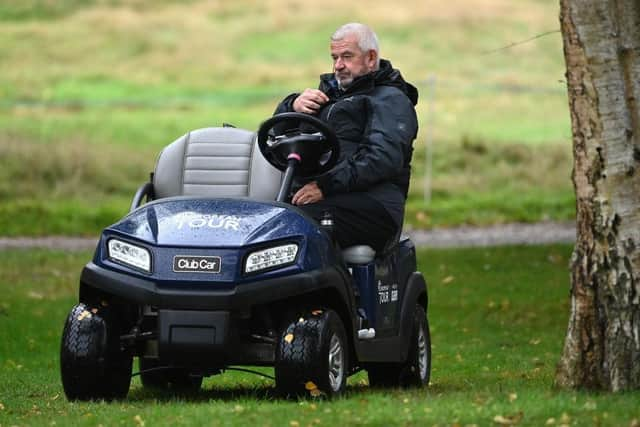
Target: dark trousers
x=357 y=220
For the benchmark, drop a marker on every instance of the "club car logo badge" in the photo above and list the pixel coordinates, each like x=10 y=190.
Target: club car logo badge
x=196 y=264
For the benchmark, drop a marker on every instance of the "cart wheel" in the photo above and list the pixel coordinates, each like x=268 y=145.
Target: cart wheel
x=170 y=378
x=312 y=356
x=92 y=364
x=416 y=370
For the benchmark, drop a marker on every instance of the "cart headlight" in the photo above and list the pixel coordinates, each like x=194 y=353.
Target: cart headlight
x=272 y=257
x=128 y=254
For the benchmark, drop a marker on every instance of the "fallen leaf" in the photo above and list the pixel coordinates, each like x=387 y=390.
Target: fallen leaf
x=139 y=421
x=534 y=341
x=448 y=279
x=294 y=423
x=550 y=421
x=313 y=389
x=288 y=338
x=508 y=420
x=501 y=420
x=84 y=315
x=634 y=423
x=14 y=365
x=35 y=295
x=554 y=258
x=238 y=408
x=512 y=397
x=1 y=407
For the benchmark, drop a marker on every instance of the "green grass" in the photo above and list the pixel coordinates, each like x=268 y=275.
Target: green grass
x=50 y=10
x=498 y=318
x=70 y=188
x=479 y=183
x=113 y=81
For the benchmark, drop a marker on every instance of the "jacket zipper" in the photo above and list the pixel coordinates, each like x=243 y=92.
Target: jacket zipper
x=331 y=109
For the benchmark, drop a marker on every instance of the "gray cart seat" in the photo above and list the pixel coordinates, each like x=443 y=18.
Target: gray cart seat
x=215 y=162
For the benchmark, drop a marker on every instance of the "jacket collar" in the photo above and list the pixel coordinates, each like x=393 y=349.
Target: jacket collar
x=386 y=75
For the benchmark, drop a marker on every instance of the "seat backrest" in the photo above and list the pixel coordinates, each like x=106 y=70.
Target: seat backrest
x=215 y=162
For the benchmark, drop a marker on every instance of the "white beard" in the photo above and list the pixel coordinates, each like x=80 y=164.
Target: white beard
x=344 y=83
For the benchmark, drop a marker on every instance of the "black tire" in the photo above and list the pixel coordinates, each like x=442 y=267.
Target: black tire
x=92 y=364
x=153 y=378
x=416 y=370
x=312 y=356
x=170 y=378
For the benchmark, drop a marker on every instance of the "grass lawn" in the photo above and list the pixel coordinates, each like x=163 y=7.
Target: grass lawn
x=498 y=318
x=90 y=91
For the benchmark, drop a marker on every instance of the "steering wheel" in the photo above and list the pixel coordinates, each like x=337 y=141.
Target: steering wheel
x=302 y=137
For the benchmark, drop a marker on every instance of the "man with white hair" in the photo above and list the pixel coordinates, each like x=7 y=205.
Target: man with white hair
x=371 y=108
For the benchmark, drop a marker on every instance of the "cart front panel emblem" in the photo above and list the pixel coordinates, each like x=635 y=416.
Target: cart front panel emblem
x=196 y=264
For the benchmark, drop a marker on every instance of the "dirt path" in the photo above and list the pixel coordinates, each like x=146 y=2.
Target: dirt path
x=508 y=234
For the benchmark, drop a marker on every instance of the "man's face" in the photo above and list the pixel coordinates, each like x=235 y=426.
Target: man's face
x=349 y=61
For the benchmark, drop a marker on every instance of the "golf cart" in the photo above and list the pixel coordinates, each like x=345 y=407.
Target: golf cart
x=211 y=269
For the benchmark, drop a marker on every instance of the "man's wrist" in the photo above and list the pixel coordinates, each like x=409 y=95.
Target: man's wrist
x=323 y=183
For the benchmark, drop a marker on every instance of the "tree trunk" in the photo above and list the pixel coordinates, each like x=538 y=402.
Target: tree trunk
x=602 y=53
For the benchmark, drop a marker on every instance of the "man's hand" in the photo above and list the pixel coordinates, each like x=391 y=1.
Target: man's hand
x=310 y=193
x=310 y=101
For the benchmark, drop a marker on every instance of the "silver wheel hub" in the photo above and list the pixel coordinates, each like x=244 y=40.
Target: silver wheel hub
x=422 y=353
x=336 y=363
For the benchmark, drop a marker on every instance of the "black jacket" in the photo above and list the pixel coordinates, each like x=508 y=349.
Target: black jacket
x=375 y=122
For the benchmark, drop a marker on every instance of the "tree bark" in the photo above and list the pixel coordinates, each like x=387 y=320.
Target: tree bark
x=602 y=53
